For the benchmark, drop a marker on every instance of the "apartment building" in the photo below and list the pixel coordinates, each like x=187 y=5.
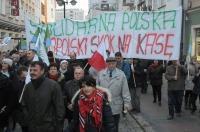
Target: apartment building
x=74 y=14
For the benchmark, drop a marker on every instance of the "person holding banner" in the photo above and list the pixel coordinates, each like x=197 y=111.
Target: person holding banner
x=175 y=74
x=135 y=83
x=22 y=73
x=42 y=102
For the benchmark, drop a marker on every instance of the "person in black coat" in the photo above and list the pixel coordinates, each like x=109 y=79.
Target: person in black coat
x=196 y=90
x=135 y=83
x=155 y=73
x=8 y=99
x=70 y=88
x=92 y=112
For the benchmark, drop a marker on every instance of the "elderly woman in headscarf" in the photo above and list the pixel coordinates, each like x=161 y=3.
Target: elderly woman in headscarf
x=92 y=112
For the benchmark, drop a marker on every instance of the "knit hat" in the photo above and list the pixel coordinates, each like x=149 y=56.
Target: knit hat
x=63 y=62
x=8 y=61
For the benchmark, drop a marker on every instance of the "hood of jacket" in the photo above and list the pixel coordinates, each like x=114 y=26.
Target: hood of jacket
x=105 y=90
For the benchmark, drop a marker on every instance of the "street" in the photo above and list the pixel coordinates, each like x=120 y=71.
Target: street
x=156 y=115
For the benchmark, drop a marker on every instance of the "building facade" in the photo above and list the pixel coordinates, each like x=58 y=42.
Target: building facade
x=14 y=26
x=192 y=27
x=74 y=14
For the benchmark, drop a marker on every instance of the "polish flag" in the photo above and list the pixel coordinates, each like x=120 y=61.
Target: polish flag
x=98 y=59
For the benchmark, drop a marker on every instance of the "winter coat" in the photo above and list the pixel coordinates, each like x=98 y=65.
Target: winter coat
x=22 y=60
x=14 y=78
x=138 y=75
x=108 y=124
x=180 y=82
x=155 y=74
x=118 y=87
x=70 y=88
x=126 y=69
x=60 y=80
x=8 y=98
x=193 y=70
x=43 y=106
x=196 y=81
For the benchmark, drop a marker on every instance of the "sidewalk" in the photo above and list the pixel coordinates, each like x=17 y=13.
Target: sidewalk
x=154 y=117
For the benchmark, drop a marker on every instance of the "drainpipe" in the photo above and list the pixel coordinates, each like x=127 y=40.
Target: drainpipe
x=182 y=44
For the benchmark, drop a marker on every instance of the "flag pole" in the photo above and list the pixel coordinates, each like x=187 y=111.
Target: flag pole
x=20 y=99
x=132 y=67
x=85 y=66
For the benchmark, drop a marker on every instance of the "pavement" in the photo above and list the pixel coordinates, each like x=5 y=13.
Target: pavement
x=154 y=117
x=127 y=124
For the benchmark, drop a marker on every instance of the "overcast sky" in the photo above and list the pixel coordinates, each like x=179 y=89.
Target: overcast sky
x=81 y=4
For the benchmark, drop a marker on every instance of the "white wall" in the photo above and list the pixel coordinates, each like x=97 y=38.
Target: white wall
x=51 y=7
x=172 y=4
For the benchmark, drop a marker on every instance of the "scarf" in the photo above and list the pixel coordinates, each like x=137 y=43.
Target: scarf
x=6 y=73
x=62 y=71
x=53 y=77
x=93 y=107
x=154 y=65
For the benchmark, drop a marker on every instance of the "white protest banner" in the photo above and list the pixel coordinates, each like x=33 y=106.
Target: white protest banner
x=138 y=34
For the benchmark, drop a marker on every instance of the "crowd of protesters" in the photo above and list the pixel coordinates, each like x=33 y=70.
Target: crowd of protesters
x=88 y=99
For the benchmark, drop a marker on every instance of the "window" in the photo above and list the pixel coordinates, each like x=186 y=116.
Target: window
x=197 y=39
x=198 y=32
x=2 y=7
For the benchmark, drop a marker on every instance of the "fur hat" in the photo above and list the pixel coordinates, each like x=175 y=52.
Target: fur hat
x=8 y=61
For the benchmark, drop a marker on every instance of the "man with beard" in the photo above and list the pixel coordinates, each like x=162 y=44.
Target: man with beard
x=42 y=102
x=70 y=88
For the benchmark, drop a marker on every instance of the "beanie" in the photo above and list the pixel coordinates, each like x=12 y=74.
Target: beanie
x=63 y=62
x=8 y=61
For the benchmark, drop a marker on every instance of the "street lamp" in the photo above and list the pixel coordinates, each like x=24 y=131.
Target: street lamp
x=62 y=2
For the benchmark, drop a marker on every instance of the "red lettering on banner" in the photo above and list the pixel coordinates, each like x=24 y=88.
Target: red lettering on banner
x=100 y=39
x=159 y=44
x=150 y=44
x=80 y=49
x=66 y=45
x=168 y=46
x=139 y=44
x=124 y=46
x=109 y=41
x=71 y=44
x=93 y=43
x=154 y=38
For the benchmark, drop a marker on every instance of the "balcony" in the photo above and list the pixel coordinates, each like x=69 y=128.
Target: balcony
x=11 y=26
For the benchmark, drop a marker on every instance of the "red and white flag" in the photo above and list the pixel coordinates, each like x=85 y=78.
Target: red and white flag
x=98 y=59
